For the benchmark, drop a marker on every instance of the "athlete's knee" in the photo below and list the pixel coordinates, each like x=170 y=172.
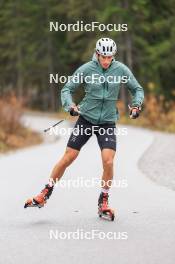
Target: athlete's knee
x=108 y=163
x=69 y=156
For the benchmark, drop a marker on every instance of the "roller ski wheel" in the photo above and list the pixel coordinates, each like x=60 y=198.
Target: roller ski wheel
x=103 y=208
x=33 y=203
x=41 y=199
x=107 y=214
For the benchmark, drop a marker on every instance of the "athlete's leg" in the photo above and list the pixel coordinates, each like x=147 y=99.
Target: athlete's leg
x=107 y=144
x=75 y=143
x=107 y=160
x=69 y=156
x=104 y=209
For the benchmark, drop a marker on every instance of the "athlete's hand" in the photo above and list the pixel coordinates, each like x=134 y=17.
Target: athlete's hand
x=74 y=110
x=134 y=111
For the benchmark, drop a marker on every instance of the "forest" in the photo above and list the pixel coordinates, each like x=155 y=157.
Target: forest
x=43 y=37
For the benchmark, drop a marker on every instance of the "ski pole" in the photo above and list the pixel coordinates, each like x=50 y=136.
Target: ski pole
x=72 y=113
x=47 y=129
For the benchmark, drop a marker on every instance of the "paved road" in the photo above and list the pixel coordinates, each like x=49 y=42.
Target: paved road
x=143 y=232
x=158 y=161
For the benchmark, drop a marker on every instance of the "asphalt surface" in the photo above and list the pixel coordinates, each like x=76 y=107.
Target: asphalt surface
x=158 y=161
x=144 y=228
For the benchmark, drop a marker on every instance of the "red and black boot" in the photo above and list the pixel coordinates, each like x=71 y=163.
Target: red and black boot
x=104 y=210
x=40 y=199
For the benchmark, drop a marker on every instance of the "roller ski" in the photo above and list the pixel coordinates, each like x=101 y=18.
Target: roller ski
x=103 y=208
x=41 y=199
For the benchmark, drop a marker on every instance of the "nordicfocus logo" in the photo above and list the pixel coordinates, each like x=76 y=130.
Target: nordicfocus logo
x=81 y=182
x=81 y=26
x=89 y=79
x=80 y=130
x=81 y=234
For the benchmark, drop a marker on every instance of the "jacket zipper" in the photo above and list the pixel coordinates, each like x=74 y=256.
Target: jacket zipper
x=103 y=94
x=102 y=103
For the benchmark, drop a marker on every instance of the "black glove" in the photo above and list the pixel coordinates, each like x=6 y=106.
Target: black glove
x=73 y=112
x=134 y=111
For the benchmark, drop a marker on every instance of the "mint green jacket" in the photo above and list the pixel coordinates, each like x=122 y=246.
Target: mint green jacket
x=101 y=93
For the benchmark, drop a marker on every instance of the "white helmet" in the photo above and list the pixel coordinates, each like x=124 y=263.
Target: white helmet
x=106 y=47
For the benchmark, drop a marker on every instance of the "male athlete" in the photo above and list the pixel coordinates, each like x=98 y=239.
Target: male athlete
x=102 y=78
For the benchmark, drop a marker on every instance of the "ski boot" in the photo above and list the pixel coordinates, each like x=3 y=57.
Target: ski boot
x=40 y=199
x=103 y=208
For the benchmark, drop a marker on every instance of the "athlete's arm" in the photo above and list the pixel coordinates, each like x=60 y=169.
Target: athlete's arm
x=135 y=88
x=70 y=87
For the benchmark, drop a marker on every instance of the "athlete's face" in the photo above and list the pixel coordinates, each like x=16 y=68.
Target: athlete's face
x=105 y=61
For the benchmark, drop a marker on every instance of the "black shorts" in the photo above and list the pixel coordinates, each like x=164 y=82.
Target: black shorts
x=83 y=130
